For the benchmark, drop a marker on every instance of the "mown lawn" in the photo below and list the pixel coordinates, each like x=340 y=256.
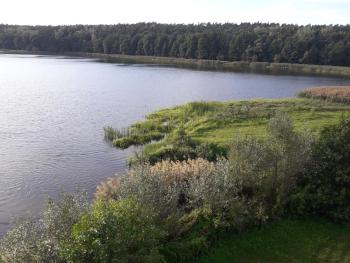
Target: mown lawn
x=285 y=241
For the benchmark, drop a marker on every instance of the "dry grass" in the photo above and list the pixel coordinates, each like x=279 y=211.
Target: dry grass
x=167 y=172
x=335 y=94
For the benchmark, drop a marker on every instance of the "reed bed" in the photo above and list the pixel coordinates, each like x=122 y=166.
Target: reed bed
x=335 y=94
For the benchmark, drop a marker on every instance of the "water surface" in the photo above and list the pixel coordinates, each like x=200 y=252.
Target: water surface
x=53 y=109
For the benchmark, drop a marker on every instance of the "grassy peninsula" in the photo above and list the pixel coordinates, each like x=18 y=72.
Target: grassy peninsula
x=209 y=127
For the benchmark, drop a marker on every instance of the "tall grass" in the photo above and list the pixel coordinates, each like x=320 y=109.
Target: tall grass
x=334 y=94
x=134 y=135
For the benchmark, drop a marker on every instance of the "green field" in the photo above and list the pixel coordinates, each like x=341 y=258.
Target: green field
x=285 y=241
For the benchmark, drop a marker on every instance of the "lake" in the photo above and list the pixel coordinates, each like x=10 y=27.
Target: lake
x=53 y=110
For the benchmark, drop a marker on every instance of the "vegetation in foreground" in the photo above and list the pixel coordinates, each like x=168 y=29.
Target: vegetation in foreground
x=177 y=211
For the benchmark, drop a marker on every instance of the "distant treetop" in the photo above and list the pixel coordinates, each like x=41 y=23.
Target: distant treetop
x=311 y=44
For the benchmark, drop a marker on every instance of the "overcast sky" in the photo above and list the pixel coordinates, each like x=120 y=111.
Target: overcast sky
x=55 y=12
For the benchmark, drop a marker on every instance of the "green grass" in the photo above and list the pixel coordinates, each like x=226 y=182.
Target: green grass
x=220 y=122
x=285 y=241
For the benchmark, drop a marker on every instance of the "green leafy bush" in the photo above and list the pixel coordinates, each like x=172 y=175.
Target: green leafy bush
x=268 y=168
x=211 y=151
x=326 y=183
x=115 y=231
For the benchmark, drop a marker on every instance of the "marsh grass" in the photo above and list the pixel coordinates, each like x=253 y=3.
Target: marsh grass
x=334 y=94
x=134 y=135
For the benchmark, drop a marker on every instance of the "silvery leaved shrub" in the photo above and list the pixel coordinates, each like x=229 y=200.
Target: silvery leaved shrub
x=40 y=240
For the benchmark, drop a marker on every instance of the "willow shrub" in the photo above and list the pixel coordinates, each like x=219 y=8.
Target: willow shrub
x=325 y=185
x=32 y=240
x=115 y=231
x=163 y=185
x=268 y=168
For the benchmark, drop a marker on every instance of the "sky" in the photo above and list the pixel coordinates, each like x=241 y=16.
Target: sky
x=64 y=12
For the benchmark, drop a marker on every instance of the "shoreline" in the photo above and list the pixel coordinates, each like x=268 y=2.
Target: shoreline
x=215 y=65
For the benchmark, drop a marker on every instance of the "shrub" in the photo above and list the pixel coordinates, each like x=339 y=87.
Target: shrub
x=31 y=240
x=268 y=168
x=326 y=183
x=162 y=185
x=194 y=236
x=115 y=231
x=211 y=151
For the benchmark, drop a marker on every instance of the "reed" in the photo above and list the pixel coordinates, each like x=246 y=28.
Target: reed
x=339 y=94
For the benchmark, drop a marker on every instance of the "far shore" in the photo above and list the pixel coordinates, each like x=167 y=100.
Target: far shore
x=219 y=65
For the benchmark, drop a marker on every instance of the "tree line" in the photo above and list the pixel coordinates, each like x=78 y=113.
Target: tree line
x=253 y=42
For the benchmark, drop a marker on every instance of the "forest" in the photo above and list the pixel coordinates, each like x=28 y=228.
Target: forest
x=253 y=42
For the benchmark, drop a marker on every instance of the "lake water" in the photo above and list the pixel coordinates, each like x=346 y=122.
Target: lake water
x=53 y=109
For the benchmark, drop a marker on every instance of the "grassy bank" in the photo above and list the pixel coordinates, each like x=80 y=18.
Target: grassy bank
x=216 y=124
x=285 y=241
x=236 y=66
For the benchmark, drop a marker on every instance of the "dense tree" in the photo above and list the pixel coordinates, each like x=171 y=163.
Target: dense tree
x=325 y=45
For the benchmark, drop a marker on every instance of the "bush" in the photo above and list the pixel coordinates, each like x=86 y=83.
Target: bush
x=326 y=183
x=163 y=185
x=211 y=151
x=115 y=231
x=30 y=240
x=268 y=168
